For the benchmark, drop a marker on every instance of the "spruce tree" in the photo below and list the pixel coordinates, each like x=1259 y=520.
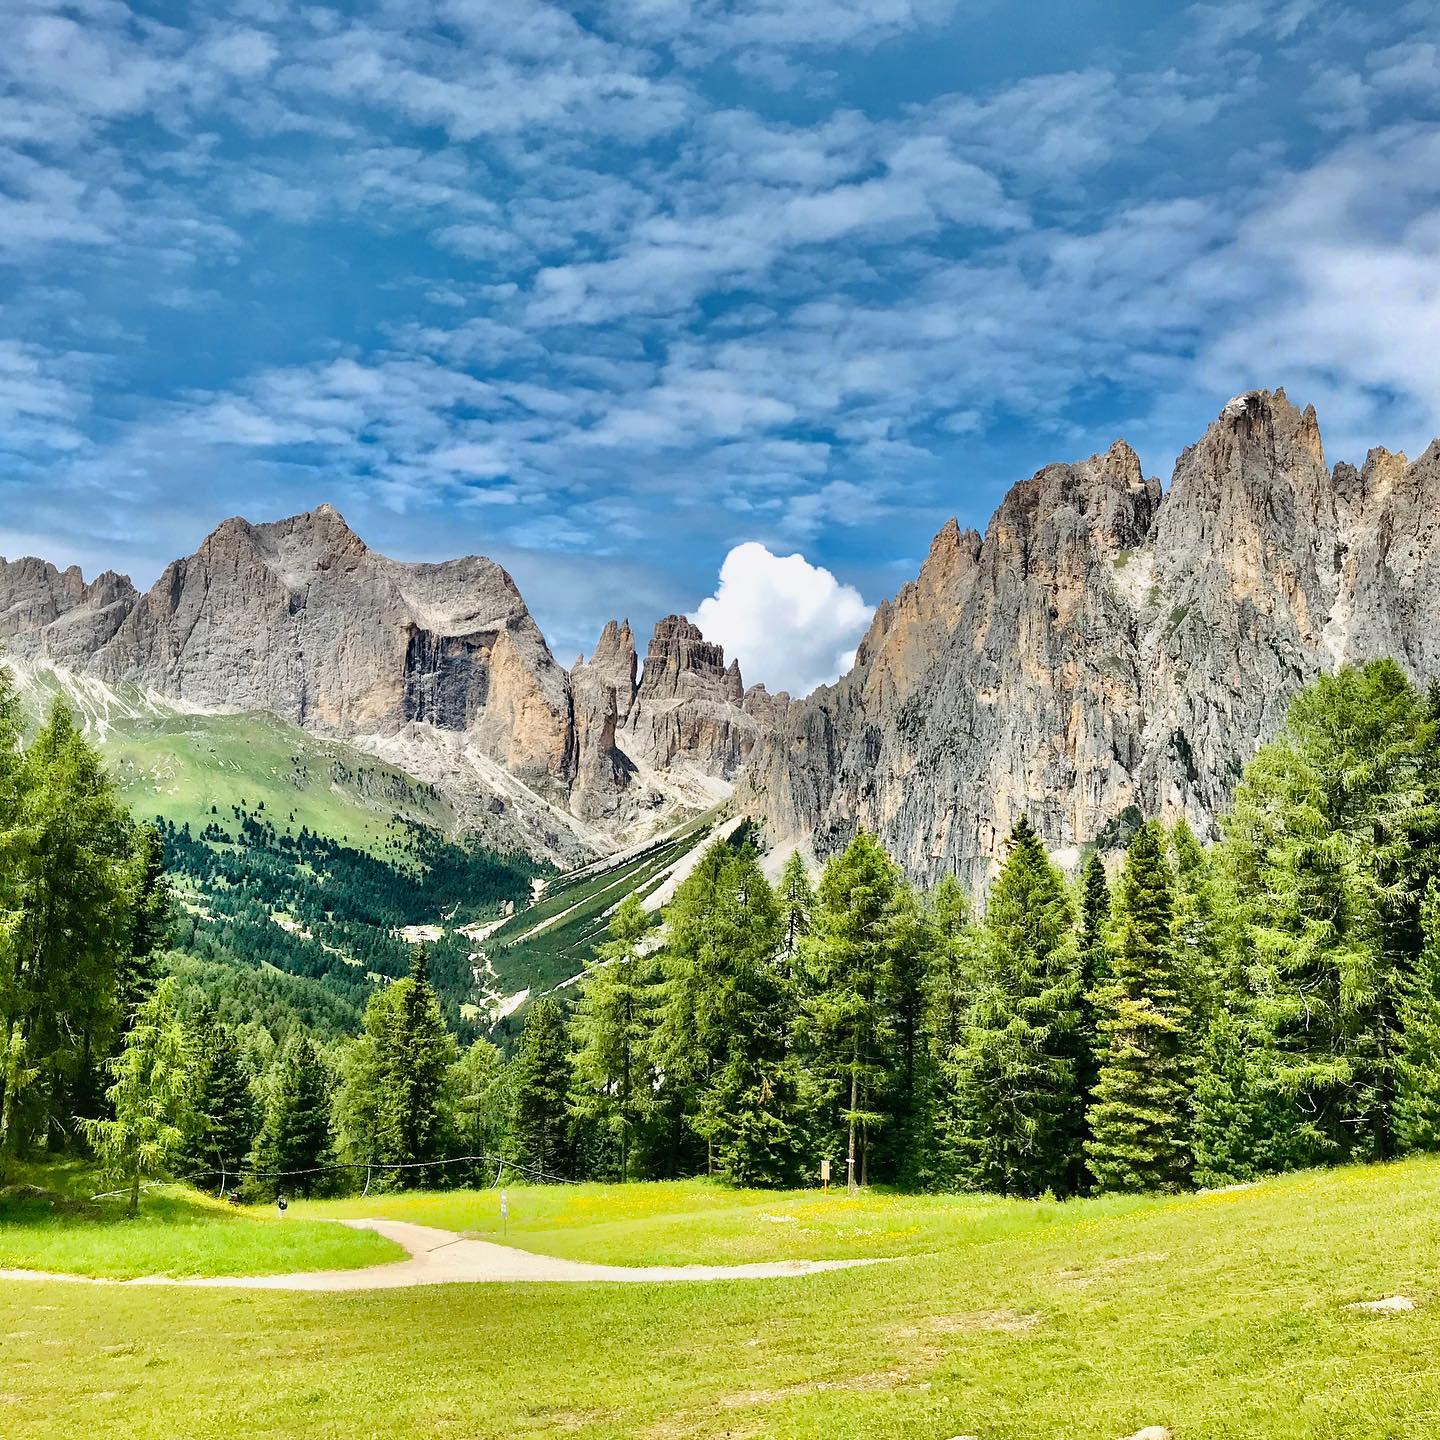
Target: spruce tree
x=223 y=1104
x=1418 y=1090
x=725 y=961
x=1198 y=931
x=150 y=917
x=295 y=1138
x=1017 y=1071
x=149 y=1098
x=1094 y=969
x=846 y=1024
x=721 y=1040
x=796 y=897
x=611 y=1030
x=415 y=1073
x=1140 y=1114
x=950 y=974
x=389 y=1109
x=540 y=1139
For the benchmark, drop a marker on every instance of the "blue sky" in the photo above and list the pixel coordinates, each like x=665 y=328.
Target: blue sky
x=605 y=291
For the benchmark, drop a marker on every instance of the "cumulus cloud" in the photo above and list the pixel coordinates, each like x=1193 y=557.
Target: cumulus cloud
x=791 y=624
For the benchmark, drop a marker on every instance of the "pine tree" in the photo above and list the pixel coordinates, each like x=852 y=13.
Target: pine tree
x=540 y=1140
x=1017 y=1071
x=295 y=1139
x=611 y=1029
x=223 y=1104
x=1140 y=1114
x=1418 y=1090
x=149 y=1099
x=845 y=1023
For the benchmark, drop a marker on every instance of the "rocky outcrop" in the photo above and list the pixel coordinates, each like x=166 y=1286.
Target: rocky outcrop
x=54 y=614
x=1106 y=646
x=301 y=618
x=691 y=708
x=603 y=689
x=437 y=667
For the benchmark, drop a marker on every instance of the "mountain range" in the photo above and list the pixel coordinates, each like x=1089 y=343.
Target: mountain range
x=1107 y=647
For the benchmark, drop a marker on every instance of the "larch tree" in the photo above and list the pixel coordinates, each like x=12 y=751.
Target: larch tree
x=149 y=1098
x=68 y=854
x=1418 y=1089
x=1331 y=844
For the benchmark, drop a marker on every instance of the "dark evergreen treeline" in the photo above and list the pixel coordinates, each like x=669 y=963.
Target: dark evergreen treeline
x=1184 y=1015
x=306 y=905
x=1193 y=1016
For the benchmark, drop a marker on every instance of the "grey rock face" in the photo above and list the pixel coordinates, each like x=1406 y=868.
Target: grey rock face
x=1105 y=646
x=439 y=667
x=690 y=707
x=302 y=619
x=54 y=614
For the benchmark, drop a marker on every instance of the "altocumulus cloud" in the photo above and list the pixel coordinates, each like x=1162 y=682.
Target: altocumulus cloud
x=791 y=624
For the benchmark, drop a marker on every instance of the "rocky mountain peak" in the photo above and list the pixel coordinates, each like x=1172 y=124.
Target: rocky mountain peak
x=1106 y=645
x=681 y=664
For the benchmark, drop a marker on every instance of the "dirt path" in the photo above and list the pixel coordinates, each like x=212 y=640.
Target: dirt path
x=440 y=1257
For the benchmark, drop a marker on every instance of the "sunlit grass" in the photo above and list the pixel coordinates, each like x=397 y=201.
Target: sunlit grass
x=49 y=1222
x=1223 y=1317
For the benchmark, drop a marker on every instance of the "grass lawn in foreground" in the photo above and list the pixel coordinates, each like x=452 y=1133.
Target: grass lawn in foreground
x=700 y=1222
x=48 y=1222
x=1221 y=1316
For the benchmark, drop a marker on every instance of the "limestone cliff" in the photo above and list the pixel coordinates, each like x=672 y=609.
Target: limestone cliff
x=1105 y=646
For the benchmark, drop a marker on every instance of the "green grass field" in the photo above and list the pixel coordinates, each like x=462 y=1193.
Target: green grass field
x=1217 y=1315
x=49 y=1222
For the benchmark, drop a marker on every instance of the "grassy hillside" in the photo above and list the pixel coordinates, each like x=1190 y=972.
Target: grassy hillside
x=549 y=941
x=187 y=768
x=1220 y=1316
x=296 y=859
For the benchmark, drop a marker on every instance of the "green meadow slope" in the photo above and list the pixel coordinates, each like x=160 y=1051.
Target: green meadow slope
x=1219 y=1316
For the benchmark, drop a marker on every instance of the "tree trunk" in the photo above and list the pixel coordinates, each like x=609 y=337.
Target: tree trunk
x=135 y=1192
x=851 y=1184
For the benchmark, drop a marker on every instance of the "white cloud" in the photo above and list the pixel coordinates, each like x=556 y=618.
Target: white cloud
x=791 y=624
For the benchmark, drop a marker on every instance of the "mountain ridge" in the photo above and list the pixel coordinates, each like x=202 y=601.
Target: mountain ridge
x=1105 y=645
